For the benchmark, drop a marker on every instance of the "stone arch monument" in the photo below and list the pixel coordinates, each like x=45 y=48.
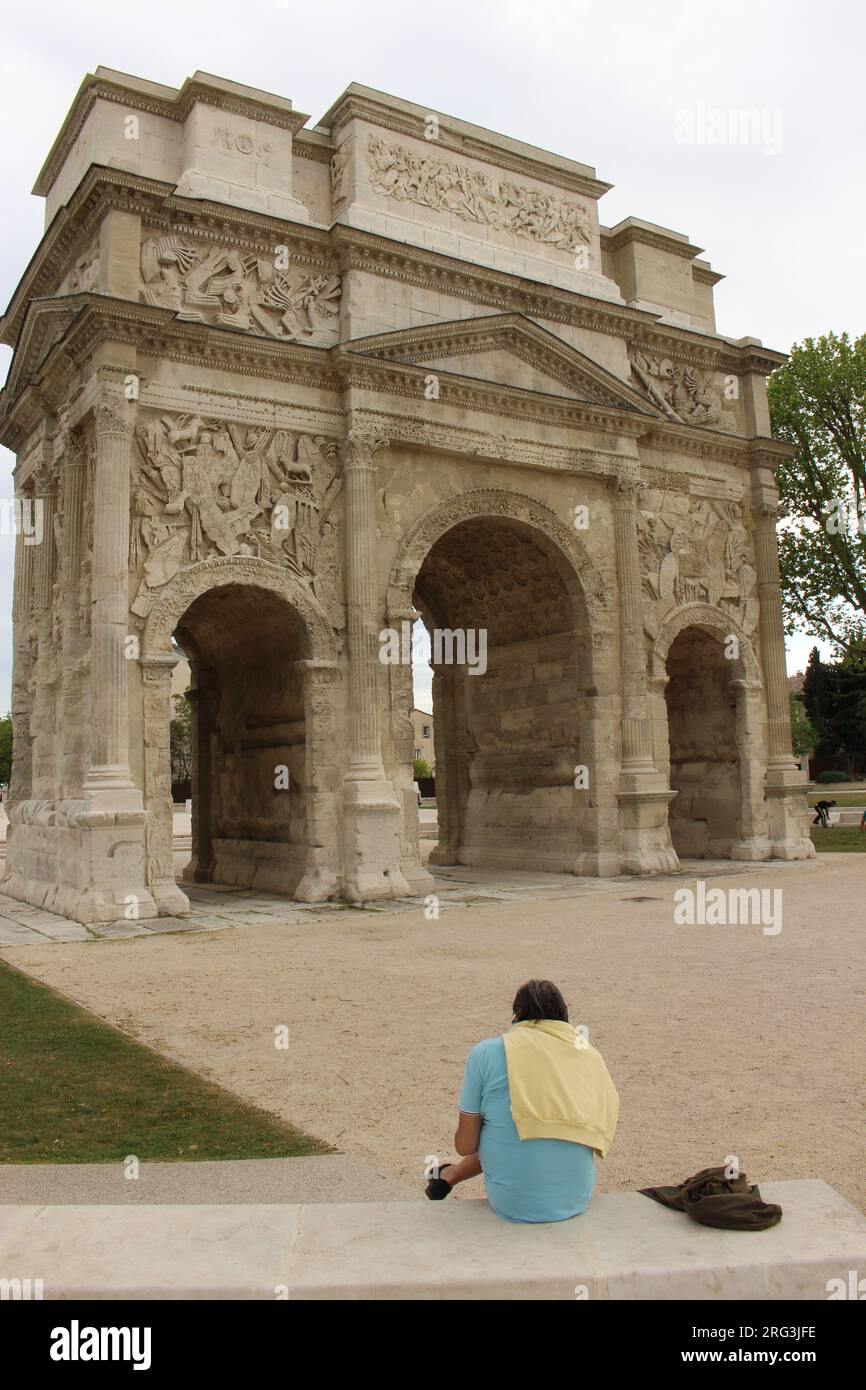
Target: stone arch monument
x=280 y=391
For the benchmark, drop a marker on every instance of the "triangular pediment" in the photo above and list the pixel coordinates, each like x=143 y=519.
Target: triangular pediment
x=506 y=350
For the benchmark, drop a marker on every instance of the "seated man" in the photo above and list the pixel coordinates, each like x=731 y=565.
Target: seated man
x=537 y=1104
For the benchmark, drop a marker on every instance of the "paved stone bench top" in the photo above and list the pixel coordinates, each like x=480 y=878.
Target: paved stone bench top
x=624 y=1247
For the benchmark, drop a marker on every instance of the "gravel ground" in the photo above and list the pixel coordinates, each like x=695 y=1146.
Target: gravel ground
x=721 y=1040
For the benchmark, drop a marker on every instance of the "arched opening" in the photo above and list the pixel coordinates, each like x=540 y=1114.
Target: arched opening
x=705 y=768
x=247 y=649
x=512 y=695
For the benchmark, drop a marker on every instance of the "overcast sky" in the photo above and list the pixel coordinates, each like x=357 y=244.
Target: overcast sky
x=617 y=86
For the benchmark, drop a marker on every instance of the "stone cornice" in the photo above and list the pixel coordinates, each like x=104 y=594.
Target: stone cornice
x=408 y=122
x=401 y=429
x=320 y=150
x=705 y=276
x=89 y=320
x=171 y=103
x=613 y=239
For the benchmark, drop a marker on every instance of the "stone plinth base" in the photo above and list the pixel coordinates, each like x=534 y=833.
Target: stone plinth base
x=787 y=793
x=646 y=846
x=83 y=859
x=371 y=830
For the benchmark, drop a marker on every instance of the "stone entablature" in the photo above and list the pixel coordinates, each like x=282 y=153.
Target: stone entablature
x=273 y=432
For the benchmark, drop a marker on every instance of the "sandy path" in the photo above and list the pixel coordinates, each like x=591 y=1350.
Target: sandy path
x=721 y=1040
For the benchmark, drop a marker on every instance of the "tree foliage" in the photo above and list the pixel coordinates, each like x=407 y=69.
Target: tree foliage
x=180 y=740
x=804 y=735
x=835 y=698
x=818 y=404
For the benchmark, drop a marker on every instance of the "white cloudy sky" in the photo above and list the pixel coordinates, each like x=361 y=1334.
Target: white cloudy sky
x=599 y=82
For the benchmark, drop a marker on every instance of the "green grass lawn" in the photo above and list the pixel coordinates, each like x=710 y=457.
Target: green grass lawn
x=841 y=839
x=75 y=1090
x=841 y=798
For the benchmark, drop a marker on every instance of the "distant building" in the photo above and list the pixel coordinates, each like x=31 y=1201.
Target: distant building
x=422 y=723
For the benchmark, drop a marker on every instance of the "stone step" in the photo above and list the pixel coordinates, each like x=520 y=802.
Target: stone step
x=625 y=1247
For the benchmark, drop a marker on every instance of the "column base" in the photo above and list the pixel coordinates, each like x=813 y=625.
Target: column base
x=645 y=838
x=371 y=839
x=787 y=791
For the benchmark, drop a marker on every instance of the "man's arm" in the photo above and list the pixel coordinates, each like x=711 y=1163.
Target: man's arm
x=467 y=1134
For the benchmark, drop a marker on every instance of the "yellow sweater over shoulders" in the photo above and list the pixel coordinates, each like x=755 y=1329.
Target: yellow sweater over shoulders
x=560 y=1087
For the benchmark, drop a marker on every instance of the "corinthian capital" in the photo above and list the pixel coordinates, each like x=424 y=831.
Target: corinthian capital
x=359 y=449
x=113 y=418
x=628 y=489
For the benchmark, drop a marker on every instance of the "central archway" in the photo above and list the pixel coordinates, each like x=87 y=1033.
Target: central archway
x=515 y=721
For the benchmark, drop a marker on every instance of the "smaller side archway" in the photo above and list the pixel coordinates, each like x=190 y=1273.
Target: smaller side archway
x=708 y=720
x=266 y=768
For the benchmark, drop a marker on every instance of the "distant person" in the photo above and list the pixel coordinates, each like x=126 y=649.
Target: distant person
x=822 y=818
x=536 y=1106
x=863 y=819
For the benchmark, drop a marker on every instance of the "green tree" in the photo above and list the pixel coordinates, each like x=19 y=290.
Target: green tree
x=834 y=694
x=804 y=735
x=420 y=769
x=6 y=748
x=180 y=740
x=818 y=404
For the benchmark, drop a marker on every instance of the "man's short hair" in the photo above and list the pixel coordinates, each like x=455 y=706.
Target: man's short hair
x=539 y=999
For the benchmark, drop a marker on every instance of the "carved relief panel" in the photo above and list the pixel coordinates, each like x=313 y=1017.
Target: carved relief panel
x=221 y=285
x=205 y=487
x=685 y=395
x=695 y=552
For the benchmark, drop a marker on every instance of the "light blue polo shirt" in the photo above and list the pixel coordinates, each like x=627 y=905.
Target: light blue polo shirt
x=526 y=1179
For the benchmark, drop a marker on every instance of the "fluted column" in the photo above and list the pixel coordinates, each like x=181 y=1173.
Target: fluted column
x=636 y=734
x=74 y=729
x=365 y=749
x=109 y=765
x=20 y=781
x=772 y=638
x=371 y=813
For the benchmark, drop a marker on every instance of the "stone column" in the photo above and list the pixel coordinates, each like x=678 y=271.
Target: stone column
x=20 y=781
x=448 y=809
x=636 y=744
x=48 y=662
x=752 y=842
x=320 y=879
x=773 y=640
x=786 y=785
x=372 y=812
x=644 y=794
x=109 y=758
x=203 y=698
x=112 y=822
x=74 y=731
x=159 y=834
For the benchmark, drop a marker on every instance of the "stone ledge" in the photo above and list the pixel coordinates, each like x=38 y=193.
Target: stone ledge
x=624 y=1247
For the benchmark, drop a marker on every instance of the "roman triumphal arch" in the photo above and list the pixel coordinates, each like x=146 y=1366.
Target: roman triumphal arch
x=281 y=391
